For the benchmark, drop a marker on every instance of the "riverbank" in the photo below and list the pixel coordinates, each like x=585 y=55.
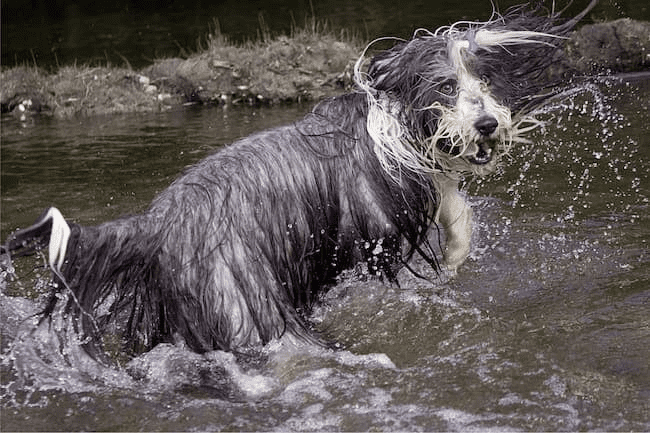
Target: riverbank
x=312 y=63
x=309 y=64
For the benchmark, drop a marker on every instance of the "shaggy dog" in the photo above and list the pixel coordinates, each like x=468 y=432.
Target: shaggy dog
x=234 y=252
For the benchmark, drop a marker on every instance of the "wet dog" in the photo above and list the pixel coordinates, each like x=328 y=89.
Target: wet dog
x=236 y=250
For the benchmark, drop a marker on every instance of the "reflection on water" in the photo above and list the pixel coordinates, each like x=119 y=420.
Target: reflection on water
x=104 y=167
x=546 y=327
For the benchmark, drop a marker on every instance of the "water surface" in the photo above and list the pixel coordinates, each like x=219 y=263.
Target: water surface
x=546 y=327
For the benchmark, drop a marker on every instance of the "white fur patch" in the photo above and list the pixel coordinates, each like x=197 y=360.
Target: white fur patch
x=58 y=238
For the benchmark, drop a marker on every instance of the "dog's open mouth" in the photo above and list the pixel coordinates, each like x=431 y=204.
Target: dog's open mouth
x=484 y=154
x=481 y=157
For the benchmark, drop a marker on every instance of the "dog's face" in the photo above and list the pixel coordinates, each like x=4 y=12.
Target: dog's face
x=443 y=101
x=473 y=127
x=453 y=115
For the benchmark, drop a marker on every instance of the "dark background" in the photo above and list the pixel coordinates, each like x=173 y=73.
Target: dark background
x=51 y=33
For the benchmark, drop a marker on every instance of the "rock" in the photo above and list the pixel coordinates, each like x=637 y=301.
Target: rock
x=614 y=46
x=144 y=80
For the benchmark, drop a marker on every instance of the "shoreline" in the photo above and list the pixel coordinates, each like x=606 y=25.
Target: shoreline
x=310 y=64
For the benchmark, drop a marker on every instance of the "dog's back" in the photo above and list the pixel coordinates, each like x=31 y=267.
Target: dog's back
x=230 y=254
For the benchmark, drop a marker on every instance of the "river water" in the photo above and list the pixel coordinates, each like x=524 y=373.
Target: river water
x=546 y=326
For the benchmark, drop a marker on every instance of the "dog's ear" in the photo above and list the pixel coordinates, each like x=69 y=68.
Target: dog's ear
x=416 y=74
x=411 y=70
x=387 y=69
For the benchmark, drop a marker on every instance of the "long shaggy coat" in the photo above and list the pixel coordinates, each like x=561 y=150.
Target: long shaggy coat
x=227 y=255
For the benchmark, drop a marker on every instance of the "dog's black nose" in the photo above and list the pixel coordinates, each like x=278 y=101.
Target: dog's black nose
x=486 y=125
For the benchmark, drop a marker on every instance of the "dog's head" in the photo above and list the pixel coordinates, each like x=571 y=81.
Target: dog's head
x=454 y=100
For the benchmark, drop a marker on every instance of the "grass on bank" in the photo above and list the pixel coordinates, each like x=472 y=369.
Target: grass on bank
x=310 y=63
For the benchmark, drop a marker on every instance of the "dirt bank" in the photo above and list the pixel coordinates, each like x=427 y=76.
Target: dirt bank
x=308 y=65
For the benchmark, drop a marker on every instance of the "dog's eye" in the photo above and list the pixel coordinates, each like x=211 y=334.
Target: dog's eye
x=448 y=88
x=485 y=83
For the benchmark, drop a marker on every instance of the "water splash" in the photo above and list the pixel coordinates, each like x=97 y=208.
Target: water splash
x=586 y=154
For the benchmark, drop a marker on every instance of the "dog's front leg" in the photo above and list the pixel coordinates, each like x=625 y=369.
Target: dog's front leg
x=455 y=216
